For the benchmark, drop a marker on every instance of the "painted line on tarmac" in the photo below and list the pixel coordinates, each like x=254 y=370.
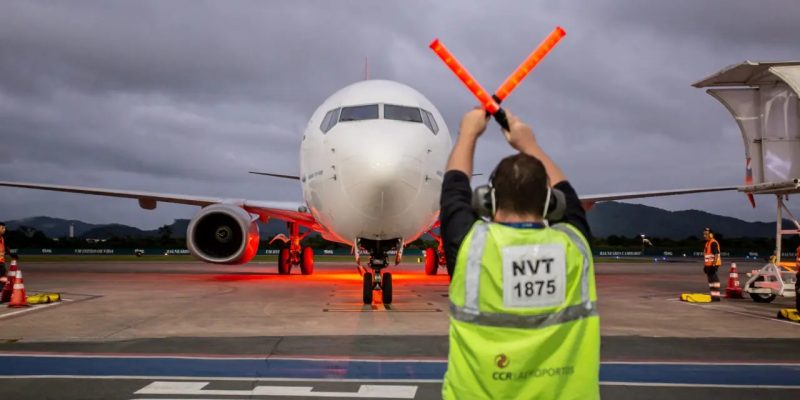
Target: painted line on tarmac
x=634 y=373
x=705 y=306
x=198 y=389
x=699 y=385
x=216 y=378
x=31 y=309
x=264 y=357
x=331 y=380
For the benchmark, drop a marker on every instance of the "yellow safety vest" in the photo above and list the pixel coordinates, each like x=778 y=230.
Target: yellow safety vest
x=523 y=316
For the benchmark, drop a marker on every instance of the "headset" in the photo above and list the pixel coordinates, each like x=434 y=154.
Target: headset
x=484 y=202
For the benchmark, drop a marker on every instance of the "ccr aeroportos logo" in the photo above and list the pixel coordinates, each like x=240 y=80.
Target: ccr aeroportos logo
x=501 y=360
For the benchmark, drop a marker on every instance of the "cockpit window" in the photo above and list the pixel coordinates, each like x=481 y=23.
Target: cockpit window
x=359 y=113
x=401 y=113
x=430 y=122
x=330 y=120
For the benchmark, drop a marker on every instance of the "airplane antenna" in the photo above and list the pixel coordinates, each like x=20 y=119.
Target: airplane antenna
x=366 y=68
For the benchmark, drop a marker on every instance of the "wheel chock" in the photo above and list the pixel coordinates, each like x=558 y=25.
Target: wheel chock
x=38 y=299
x=43 y=298
x=54 y=297
x=790 y=314
x=695 y=298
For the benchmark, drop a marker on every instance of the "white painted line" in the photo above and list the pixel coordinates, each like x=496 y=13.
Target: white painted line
x=722 y=363
x=29 y=309
x=130 y=356
x=346 y=359
x=218 y=357
x=699 y=385
x=219 y=378
x=197 y=389
x=420 y=381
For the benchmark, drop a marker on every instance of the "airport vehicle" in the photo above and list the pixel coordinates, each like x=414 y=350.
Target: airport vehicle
x=372 y=159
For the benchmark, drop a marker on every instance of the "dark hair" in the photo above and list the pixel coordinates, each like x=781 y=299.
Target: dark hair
x=520 y=184
x=2 y=223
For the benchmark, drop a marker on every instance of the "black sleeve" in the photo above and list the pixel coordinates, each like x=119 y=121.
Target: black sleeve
x=574 y=214
x=714 y=248
x=456 y=215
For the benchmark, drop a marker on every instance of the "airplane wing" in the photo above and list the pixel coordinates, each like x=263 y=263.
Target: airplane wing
x=284 y=176
x=784 y=187
x=287 y=211
x=596 y=198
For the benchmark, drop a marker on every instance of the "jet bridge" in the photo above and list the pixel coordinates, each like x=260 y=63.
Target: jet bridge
x=763 y=99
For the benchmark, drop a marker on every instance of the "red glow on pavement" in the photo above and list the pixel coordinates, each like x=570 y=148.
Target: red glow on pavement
x=334 y=276
x=530 y=63
x=486 y=100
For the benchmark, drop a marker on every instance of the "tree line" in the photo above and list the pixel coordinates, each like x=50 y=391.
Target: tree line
x=26 y=237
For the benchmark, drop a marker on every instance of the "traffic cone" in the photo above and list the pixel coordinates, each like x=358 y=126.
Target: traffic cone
x=734 y=289
x=18 y=298
x=11 y=275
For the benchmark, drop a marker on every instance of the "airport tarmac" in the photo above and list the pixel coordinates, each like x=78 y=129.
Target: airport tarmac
x=191 y=330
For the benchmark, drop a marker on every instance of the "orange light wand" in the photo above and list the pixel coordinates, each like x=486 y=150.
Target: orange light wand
x=488 y=103
x=529 y=64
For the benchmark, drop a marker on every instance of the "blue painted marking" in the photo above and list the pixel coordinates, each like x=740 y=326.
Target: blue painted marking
x=709 y=374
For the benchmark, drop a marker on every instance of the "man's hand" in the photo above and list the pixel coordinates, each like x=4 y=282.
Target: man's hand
x=473 y=124
x=521 y=135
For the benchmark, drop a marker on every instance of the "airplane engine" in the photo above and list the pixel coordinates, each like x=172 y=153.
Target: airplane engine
x=223 y=234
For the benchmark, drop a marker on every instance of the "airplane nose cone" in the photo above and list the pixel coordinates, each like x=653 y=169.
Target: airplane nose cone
x=383 y=181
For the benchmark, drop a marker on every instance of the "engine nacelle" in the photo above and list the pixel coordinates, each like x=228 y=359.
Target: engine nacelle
x=223 y=234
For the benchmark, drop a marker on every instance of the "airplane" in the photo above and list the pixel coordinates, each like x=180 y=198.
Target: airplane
x=372 y=160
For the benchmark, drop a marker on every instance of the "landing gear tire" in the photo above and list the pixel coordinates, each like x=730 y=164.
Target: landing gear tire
x=368 y=288
x=307 y=263
x=430 y=262
x=284 y=268
x=386 y=288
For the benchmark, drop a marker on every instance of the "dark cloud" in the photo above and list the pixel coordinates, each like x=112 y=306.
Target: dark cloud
x=186 y=96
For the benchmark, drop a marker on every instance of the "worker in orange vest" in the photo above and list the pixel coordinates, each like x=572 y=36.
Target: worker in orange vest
x=797 y=281
x=711 y=263
x=2 y=249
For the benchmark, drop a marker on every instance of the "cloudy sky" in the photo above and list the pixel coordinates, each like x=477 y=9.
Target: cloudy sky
x=187 y=96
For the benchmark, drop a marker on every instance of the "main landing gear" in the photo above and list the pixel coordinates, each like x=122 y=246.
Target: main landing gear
x=434 y=258
x=377 y=280
x=295 y=254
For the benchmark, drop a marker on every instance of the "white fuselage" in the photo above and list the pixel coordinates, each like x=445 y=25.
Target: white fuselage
x=374 y=178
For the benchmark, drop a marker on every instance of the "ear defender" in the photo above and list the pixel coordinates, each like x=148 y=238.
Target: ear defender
x=555 y=205
x=483 y=201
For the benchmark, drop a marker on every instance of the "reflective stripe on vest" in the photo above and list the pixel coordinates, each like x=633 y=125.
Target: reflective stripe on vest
x=538 y=321
x=473 y=276
x=470 y=312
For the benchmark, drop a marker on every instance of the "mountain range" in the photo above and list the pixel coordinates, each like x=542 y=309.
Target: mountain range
x=605 y=219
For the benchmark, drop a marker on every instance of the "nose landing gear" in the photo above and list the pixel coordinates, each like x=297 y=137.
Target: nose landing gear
x=376 y=280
